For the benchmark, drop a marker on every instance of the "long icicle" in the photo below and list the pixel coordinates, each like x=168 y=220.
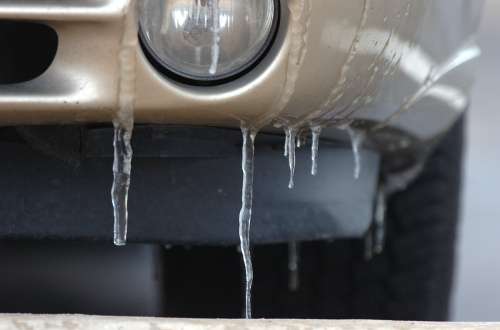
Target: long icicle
x=121 y=181
x=124 y=121
x=247 y=165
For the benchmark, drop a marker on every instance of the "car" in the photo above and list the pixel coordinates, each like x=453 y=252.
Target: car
x=197 y=90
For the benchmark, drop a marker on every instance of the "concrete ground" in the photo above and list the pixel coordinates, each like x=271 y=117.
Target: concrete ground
x=477 y=289
x=75 y=322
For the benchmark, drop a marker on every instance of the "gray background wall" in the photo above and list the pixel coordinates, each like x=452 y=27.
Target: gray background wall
x=477 y=282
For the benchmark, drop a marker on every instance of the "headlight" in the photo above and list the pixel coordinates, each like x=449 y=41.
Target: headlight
x=207 y=40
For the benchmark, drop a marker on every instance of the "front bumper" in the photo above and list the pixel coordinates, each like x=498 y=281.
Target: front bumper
x=406 y=64
x=400 y=70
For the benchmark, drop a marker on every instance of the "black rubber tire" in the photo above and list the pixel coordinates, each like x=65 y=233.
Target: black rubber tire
x=410 y=280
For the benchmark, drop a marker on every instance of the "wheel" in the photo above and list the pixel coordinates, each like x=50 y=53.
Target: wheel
x=410 y=280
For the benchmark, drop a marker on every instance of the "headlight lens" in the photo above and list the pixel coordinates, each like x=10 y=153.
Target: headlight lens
x=207 y=39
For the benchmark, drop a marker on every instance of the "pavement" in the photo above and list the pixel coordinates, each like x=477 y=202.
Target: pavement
x=75 y=322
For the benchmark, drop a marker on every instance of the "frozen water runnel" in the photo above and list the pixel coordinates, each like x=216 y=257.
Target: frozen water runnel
x=337 y=92
x=467 y=53
x=247 y=166
x=216 y=36
x=328 y=105
x=372 y=85
x=121 y=182
x=298 y=50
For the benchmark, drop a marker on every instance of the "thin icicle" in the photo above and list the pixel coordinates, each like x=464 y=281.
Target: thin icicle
x=293 y=265
x=287 y=143
x=316 y=131
x=247 y=165
x=368 y=255
x=375 y=238
x=379 y=228
x=216 y=36
x=301 y=141
x=291 y=133
x=121 y=182
x=357 y=139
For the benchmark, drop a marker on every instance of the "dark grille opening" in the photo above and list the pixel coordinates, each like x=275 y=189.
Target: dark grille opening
x=26 y=50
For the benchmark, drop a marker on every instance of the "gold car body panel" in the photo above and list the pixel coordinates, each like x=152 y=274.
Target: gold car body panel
x=403 y=63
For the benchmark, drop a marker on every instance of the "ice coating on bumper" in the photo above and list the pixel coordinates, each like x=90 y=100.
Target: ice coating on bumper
x=300 y=21
x=377 y=68
x=369 y=64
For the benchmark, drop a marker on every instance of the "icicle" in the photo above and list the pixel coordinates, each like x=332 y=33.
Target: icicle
x=369 y=245
x=301 y=140
x=290 y=142
x=374 y=239
x=124 y=122
x=287 y=143
x=316 y=131
x=121 y=182
x=379 y=228
x=216 y=36
x=247 y=165
x=357 y=138
x=293 y=265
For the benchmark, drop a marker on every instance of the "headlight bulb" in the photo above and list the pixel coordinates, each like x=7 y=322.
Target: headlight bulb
x=207 y=40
